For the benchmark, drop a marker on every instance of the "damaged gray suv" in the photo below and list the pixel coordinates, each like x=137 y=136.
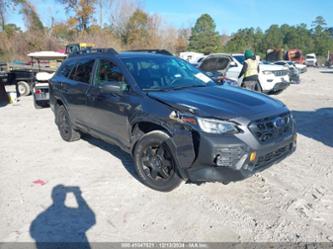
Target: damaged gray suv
x=175 y=121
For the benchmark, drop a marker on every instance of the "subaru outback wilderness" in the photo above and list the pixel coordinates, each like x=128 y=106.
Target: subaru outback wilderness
x=174 y=120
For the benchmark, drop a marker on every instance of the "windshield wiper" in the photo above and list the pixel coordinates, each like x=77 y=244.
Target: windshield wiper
x=157 y=89
x=189 y=86
x=171 y=88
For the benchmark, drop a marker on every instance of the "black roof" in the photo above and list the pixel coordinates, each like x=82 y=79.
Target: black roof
x=92 y=51
x=153 y=51
x=125 y=54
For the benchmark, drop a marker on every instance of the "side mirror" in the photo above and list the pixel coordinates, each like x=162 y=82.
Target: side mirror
x=232 y=64
x=114 y=87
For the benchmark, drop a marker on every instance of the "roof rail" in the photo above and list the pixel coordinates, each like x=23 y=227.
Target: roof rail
x=152 y=51
x=87 y=51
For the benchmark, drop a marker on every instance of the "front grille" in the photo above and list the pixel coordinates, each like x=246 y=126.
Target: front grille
x=272 y=156
x=280 y=72
x=268 y=129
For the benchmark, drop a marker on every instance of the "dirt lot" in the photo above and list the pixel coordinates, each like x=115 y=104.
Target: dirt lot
x=292 y=201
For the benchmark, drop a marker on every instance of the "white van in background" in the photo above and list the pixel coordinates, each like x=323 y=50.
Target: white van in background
x=191 y=57
x=311 y=60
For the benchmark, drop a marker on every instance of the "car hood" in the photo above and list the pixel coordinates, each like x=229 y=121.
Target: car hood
x=224 y=102
x=300 y=65
x=271 y=67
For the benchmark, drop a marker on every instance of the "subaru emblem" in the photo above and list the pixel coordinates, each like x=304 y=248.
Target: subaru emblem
x=279 y=122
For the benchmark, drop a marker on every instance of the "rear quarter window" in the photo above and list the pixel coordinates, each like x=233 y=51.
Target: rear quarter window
x=82 y=72
x=66 y=69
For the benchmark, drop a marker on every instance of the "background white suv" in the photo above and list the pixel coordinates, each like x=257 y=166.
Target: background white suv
x=272 y=78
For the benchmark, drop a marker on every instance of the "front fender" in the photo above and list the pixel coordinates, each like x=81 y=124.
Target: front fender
x=181 y=142
x=182 y=146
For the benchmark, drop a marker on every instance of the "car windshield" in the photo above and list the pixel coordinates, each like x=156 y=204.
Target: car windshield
x=165 y=73
x=310 y=57
x=239 y=58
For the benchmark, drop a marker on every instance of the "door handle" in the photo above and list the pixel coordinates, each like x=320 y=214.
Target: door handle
x=95 y=97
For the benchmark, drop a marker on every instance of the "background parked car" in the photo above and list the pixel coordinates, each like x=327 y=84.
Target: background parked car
x=293 y=71
x=311 y=60
x=272 y=78
x=191 y=57
x=40 y=86
x=302 y=68
x=41 y=93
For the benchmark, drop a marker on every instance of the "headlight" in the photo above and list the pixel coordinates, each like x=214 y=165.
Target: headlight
x=217 y=126
x=267 y=72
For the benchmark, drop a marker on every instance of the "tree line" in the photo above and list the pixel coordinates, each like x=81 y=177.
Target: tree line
x=126 y=25
x=122 y=25
x=315 y=39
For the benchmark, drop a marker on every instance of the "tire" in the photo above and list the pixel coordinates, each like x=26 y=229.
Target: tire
x=23 y=88
x=154 y=162
x=65 y=125
x=278 y=92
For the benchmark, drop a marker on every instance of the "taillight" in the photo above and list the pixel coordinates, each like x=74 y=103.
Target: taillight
x=38 y=91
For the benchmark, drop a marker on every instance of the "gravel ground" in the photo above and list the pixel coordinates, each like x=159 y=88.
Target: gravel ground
x=291 y=201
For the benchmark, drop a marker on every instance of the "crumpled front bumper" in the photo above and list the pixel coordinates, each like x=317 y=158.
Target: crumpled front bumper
x=227 y=158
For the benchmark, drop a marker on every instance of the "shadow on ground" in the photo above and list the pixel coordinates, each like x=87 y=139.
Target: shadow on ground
x=317 y=124
x=2 y=104
x=114 y=150
x=328 y=71
x=60 y=226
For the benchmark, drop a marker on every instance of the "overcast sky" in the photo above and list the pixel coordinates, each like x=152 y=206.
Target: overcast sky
x=229 y=15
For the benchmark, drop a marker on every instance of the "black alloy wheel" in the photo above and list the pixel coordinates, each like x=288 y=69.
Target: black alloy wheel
x=155 y=163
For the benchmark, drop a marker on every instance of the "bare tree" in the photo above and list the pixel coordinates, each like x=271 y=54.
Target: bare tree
x=5 y=5
x=83 y=10
x=32 y=19
x=120 y=13
x=2 y=14
x=103 y=8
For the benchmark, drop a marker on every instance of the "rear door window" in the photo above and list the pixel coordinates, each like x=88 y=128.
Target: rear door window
x=83 y=71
